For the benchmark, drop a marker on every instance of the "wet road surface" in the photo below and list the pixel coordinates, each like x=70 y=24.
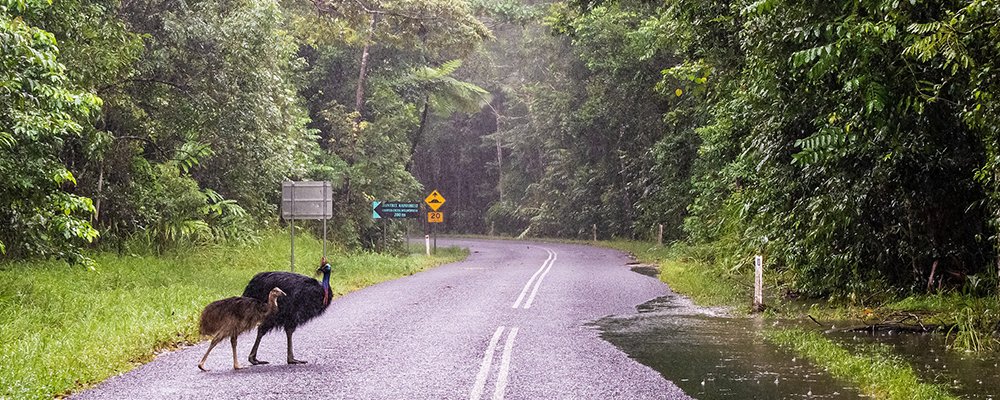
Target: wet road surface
x=512 y=321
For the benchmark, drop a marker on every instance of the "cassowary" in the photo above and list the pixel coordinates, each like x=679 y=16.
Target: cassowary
x=233 y=316
x=306 y=299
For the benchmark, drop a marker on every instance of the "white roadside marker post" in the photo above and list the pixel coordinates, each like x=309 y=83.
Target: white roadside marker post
x=758 y=284
x=427 y=244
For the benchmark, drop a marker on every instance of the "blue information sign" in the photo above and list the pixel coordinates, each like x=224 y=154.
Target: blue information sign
x=395 y=209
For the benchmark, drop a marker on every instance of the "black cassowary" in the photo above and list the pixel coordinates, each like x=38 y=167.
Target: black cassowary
x=233 y=316
x=306 y=299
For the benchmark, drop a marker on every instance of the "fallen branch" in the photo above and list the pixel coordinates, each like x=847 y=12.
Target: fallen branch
x=887 y=327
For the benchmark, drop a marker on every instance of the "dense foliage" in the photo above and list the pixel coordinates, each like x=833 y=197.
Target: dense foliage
x=157 y=122
x=40 y=111
x=854 y=143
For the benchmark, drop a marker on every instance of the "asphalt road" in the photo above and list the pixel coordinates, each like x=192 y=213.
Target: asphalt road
x=511 y=321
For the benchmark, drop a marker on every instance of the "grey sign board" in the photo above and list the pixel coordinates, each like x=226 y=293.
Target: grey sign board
x=306 y=200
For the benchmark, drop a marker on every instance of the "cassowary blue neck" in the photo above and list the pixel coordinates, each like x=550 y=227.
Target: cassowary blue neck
x=326 y=288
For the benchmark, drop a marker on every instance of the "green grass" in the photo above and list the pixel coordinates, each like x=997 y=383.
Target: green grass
x=64 y=328
x=874 y=370
x=706 y=285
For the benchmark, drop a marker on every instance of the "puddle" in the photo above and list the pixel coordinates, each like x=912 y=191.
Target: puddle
x=710 y=356
x=966 y=375
x=646 y=269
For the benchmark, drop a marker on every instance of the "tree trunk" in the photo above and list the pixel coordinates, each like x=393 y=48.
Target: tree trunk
x=359 y=102
x=100 y=189
x=930 y=281
x=359 y=94
x=499 y=158
x=420 y=133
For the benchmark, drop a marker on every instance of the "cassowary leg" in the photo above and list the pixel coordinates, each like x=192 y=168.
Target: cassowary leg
x=215 y=341
x=291 y=357
x=253 y=352
x=236 y=364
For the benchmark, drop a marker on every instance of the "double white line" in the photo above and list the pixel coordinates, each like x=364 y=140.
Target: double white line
x=508 y=347
x=543 y=270
x=485 y=366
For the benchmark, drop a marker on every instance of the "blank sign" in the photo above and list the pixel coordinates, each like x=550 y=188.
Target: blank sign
x=306 y=200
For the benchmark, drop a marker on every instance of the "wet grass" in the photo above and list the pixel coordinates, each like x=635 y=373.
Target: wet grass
x=874 y=369
x=705 y=284
x=970 y=321
x=64 y=328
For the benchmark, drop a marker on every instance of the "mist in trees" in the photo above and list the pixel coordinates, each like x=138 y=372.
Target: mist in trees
x=854 y=144
x=851 y=143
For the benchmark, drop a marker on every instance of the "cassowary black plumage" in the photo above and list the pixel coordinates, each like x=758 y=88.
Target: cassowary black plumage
x=306 y=299
x=233 y=316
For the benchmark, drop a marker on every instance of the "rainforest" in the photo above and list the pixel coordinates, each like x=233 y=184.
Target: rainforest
x=854 y=144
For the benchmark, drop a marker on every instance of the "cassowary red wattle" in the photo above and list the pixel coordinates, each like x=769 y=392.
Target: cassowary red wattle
x=306 y=299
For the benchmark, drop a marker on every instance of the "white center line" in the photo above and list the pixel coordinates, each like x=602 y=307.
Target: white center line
x=538 y=283
x=527 y=286
x=484 y=367
x=508 y=347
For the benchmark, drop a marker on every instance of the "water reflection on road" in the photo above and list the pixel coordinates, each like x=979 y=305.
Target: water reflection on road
x=711 y=356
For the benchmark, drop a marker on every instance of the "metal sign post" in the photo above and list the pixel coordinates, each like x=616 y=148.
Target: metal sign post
x=306 y=200
x=434 y=200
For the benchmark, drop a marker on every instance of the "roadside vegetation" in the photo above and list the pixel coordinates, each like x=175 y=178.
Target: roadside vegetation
x=875 y=371
x=854 y=144
x=968 y=318
x=63 y=329
x=703 y=283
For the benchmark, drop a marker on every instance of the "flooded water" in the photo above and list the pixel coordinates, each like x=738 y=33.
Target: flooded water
x=711 y=356
x=968 y=376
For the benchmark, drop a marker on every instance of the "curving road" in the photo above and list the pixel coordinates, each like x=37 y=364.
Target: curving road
x=511 y=321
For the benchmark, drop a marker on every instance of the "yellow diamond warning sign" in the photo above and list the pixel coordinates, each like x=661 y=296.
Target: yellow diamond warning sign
x=434 y=200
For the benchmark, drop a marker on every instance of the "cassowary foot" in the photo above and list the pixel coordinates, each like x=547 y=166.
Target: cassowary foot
x=237 y=366
x=202 y=367
x=294 y=361
x=255 y=361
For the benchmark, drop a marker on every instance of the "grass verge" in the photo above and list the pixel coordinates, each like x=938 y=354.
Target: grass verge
x=969 y=320
x=873 y=369
x=876 y=372
x=65 y=328
x=706 y=285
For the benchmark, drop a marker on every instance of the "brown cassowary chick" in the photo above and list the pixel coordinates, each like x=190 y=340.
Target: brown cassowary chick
x=233 y=316
x=307 y=298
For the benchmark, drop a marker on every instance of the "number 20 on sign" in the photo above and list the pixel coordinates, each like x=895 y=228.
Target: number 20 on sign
x=435 y=217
